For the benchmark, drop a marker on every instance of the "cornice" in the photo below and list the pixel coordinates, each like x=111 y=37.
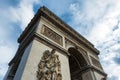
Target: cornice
x=89 y=67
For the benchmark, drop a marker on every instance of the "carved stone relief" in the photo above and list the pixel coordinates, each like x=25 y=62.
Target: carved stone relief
x=96 y=62
x=49 y=67
x=52 y=35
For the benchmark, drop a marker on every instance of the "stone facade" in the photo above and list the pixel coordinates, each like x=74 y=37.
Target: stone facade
x=51 y=50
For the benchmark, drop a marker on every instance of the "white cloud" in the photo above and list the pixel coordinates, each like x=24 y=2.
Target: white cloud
x=6 y=54
x=59 y=7
x=3 y=68
x=24 y=12
x=7 y=51
x=113 y=70
x=102 y=28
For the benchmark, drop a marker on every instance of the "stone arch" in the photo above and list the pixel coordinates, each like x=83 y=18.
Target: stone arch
x=77 y=62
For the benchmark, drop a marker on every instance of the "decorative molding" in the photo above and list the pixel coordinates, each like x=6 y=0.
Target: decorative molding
x=49 y=67
x=52 y=35
x=95 y=62
x=69 y=43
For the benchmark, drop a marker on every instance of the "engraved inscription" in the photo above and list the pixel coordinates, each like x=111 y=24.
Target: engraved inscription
x=52 y=35
x=96 y=62
x=49 y=67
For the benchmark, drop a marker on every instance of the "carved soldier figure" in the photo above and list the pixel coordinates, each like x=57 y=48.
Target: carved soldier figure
x=49 y=67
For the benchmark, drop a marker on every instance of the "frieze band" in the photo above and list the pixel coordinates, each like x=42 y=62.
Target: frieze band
x=52 y=35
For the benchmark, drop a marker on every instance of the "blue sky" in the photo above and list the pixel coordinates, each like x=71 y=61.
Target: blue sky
x=96 y=20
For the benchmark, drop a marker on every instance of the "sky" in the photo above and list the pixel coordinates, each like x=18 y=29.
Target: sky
x=97 y=20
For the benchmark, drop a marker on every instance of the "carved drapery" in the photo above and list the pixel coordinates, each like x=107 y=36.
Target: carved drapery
x=49 y=67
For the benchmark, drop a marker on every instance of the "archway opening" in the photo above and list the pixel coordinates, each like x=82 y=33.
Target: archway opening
x=76 y=63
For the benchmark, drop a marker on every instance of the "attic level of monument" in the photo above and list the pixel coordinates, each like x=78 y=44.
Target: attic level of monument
x=46 y=13
x=49 y=49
